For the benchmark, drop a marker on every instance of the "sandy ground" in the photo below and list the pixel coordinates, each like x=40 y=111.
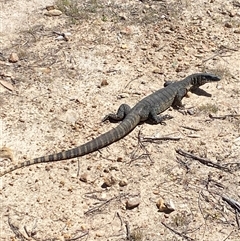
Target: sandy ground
x=54 y=97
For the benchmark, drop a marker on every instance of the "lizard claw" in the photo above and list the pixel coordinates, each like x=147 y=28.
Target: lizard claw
x=105 y=118
x=165 y=117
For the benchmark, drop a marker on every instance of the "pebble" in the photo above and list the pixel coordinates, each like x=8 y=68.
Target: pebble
x=124 y=46
x=237 y=30
x=104 y=82
x=123 y=16
x=123 y=183
x=53 y=12
x=13 y=58
x=228 y=25
x=155 y=45
x=157 y=71
x=83 y=177
x=108 y=182
x=165 y=207
x=144 y=47
x=132 y=203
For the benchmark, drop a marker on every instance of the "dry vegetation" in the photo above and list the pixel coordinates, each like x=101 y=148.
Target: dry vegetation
x=75 y=68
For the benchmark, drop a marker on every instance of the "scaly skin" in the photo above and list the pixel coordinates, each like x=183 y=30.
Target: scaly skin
x=148 y=108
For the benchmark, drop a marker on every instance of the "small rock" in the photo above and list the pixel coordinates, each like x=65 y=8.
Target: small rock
x=108 y=182
x=104 y=82
x=83 y=177
x=119 y=159
x=132 y=203
x=237 y=30
x=155 y=45
x=228 y=25
x=167 y=31
x=13 y=58
x=123 y=183
x=165 y=207
x=47 y=168
x=232 y=14
x=122 y=16
x=124 y=46
x=157 y=71
x=144 y=47
x=53 y=12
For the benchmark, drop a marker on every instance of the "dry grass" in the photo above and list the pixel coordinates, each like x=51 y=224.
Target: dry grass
x=208 y=108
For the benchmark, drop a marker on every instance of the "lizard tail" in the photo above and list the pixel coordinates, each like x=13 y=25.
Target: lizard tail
x=125 y=127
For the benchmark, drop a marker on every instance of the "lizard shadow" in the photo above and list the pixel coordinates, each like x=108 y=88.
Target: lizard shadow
x=201 y=92
x=148 y=121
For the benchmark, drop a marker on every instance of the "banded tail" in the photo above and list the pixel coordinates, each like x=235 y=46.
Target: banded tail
x=115 y=134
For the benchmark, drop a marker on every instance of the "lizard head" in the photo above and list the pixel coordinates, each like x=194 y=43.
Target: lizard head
x=201 y=79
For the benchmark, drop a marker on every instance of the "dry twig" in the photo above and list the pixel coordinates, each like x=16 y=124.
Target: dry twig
x=78 y=237
x=176 y=232
x=16 y=231
x=235 y=205
x=163 y=138
x=98 y=208
x=203 y=160
x=190 y=128
x=224 y=116
x=128 y=230
x=142 y=146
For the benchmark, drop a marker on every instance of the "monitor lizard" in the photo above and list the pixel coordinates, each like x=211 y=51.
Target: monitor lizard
x=148 y=108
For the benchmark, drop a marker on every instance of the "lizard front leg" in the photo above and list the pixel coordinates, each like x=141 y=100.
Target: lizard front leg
x=177 y=103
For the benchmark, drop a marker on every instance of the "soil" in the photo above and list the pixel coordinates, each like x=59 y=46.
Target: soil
x=68 y=71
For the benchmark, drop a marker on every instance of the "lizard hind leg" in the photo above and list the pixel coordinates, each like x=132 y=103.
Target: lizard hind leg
x=123 y=110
